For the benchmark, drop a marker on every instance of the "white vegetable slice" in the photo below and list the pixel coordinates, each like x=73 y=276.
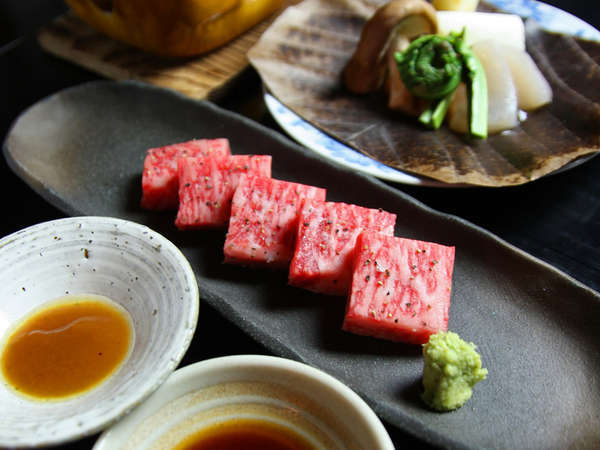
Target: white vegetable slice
x=533 y=91
x=507 y=29
x=502 y=94
x=457 y=113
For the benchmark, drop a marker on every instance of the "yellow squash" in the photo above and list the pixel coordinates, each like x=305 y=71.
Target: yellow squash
x=173 y=28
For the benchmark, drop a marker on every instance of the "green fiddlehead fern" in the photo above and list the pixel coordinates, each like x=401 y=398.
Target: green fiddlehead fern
x=433 y=66
x=430 y=67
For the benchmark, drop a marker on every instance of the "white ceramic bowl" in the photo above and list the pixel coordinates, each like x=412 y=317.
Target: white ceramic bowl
x=124 y=261
x=311 y=402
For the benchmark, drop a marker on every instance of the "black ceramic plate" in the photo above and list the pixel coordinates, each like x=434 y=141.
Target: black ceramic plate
x=538 y=330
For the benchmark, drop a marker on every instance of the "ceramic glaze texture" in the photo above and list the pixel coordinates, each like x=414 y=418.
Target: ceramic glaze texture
x=126 y=262
x=315 y=405
x=519 y=311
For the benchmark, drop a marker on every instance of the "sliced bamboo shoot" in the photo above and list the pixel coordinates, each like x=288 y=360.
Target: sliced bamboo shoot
x=533 y=91
x=507 y=29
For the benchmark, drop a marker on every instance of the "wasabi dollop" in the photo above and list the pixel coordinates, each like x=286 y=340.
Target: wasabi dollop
x=452 y=368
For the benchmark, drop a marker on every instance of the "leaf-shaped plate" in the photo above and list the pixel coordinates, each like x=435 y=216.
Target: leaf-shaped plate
x=302 y=54
x=537 y=329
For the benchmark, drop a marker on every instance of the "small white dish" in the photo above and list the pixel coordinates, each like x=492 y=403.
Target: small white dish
x=130 y=264
x=311 y=402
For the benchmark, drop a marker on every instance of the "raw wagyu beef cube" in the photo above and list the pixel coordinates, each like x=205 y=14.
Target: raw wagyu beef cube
x=159 y=179
x=327 y=233
x=264 y=219
x=207 y=184
x=400 y=288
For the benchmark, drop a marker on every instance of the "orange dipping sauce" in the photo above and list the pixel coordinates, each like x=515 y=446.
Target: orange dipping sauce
x=247 y=434
x=67 y=347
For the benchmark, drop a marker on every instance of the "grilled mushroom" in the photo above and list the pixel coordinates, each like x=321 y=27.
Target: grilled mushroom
x=389 y=30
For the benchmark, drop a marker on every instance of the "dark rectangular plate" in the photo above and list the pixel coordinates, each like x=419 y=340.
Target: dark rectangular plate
x=537 y=329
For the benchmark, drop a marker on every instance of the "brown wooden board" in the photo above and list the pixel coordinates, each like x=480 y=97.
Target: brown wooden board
x=204 y=77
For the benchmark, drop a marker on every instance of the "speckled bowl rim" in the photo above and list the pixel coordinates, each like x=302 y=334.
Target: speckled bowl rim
x=190 y=378
x=171 y=364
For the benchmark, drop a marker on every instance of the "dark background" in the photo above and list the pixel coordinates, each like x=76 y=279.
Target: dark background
x=20 y=17
x=557 y=218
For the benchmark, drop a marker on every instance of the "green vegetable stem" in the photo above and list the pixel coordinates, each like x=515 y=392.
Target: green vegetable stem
x=433 y=66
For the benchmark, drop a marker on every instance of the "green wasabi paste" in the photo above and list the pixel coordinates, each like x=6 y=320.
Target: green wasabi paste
x=452 y=368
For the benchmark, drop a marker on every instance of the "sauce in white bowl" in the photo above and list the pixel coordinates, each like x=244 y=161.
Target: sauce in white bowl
x=266 y=390
x=140 y=271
